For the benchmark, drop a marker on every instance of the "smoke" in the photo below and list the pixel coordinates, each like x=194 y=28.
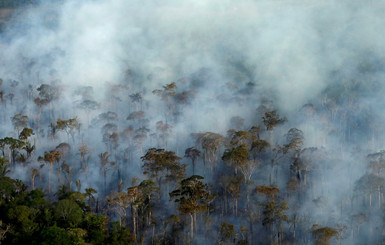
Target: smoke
x=228 y=56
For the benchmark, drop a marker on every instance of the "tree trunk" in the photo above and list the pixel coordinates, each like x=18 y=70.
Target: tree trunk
x=38 y=122
x=236 y=207
x=134 y=221
x=271 y=138
x=191 y=227
x=193 y=165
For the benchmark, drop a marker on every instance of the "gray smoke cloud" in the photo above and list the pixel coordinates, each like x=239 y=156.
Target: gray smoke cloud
x=231 y=54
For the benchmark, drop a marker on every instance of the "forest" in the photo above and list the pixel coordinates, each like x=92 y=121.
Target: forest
x=218 y=122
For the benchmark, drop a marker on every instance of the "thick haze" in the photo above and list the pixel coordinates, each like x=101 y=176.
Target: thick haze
x=286 y=47
x=232 y=55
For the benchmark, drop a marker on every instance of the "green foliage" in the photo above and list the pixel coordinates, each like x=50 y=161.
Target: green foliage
x=54 y=235
x=210 y=143
x=25 y=133
x=69 y=126
x=271 y=120
x=267 y=191
x=192 y=196
x=21 y=217
x=323 y=235
x=7 y=188
x=227 y=231
x=12 y=143
x=236 y=156
x=120 y=235
x=159 y=163
x=274 y=213
x=68 y=213
x=96 y=225
x=4 y=166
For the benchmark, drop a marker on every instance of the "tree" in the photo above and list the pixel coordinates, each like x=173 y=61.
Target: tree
x=84 y=150
x=323 y=235
x=370 y=184
x=226 y=232
x=63 y=148
x=24 y=136
x=303 y=163
x=376 y=162
x=163 y=166
x=136 y=98
x=274 y=214
x=136 y=116
x=90 y=196
x=13 y=145
x=295 y=139
x=271 y=120
x=40 y=103
x=69 y=126
x=55 y=235
x=270 y=192
x=120 y=235
x=51 y=157
x=4 y=229
x=192 y=153
x=3 y=166
x=33 y=175
x=89 y=105
x=108 y=116
x=48 y=92
x=19 y=121
x=192 y=197
x=164 y=130
x=68 y=213
x=140 y=136
x=147 y=189
x=166 y=94
x=104 y=160
x=236 y=157
x=120 y=201
x=210 y=143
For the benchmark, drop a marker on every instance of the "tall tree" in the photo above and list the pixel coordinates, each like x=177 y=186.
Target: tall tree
x=167 y=94
x=33 y=175
x=51 y=157
x=192 y=197
x=19 y=122
x=68 y=126
x=271 y=119
x=192 y=153
x=210 y=143
x=40 y=103
x=163 y=166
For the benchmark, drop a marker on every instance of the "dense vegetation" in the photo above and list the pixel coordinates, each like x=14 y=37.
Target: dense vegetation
x=212 y=154
x=238 y=196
